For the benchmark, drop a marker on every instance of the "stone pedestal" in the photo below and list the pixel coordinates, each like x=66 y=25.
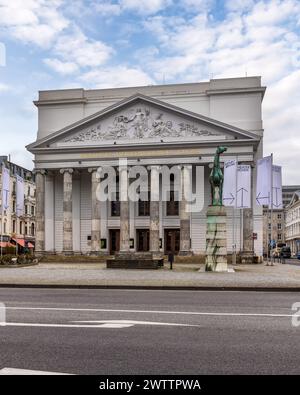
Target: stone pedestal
x=216 y=242
x=134 y=260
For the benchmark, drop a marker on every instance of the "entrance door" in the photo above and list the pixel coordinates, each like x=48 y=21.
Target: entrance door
x=114 y=241
x=172 y=240
x=142 y=237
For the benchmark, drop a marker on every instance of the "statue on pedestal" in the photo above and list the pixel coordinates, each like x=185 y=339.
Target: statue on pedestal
x=216 y=240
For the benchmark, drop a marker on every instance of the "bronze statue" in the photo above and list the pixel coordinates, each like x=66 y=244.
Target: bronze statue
x=216 y=179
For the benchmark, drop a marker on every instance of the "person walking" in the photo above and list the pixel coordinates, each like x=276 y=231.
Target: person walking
x=171 y=259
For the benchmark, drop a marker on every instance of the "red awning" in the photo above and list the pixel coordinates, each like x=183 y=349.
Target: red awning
x=21 y=242
x=4 y=244
x=30 y=245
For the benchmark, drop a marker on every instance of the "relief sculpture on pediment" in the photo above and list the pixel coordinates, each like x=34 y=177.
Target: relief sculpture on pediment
x=140 y=123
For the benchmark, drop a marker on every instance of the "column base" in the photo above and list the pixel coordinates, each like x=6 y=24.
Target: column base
x=68 y=253
x=247 y=257
x=185 y=253
x=43 y=253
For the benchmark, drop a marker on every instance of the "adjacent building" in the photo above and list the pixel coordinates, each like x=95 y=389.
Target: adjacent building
x=292 y=230
x=279 y=218
x=181 y=125
x=14 y=228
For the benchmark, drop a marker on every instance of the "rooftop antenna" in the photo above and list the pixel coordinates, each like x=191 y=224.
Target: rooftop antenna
x=164 y=79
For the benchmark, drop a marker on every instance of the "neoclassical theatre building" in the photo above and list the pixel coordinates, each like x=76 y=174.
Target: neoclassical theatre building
x=182 y=124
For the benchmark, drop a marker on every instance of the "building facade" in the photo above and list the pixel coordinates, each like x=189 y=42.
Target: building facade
x=178 y=125
x=292 y=229
x=279 y=219
x=18 y=229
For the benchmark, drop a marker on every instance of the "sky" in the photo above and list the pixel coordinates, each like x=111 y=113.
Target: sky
x=56 y=44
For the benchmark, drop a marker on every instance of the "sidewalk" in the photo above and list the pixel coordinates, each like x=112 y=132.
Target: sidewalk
x=185 y=276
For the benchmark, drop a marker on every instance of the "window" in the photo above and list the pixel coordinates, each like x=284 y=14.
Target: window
x=279 y=216
x=14 y=226
x=269 y=226
x=279 y=226
x=21 y=227
x=172 y=205
x=14 y=206
x=26 y=209
x=32 y=229
x=144 y=208
x=115 y=206
x=32 y=210
x=26 y=229
x=279 y=236
x=28 y=192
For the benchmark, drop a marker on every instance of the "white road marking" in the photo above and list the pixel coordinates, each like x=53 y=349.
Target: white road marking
x=131 y=323
x=26 y=372
x=203 y=313
x=113 y=324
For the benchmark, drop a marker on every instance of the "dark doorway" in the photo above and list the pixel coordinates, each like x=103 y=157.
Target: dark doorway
x=114 y=241
x=172 y=240
x=142 y=238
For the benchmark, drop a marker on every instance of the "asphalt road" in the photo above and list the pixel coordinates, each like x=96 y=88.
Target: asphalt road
x=149 y=332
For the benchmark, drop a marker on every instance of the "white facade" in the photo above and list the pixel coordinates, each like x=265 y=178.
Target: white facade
x=13 y=226
x=292 y=224
x=80 y=130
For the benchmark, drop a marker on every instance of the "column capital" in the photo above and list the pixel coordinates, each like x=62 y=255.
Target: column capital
x=67 y=170
x=154 y=167
x=93 y=169
x=40 y=171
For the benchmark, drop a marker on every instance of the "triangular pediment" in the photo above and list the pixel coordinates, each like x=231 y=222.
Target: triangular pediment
x=141 y=120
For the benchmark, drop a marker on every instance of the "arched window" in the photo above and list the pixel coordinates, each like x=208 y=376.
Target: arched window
x=32 y=229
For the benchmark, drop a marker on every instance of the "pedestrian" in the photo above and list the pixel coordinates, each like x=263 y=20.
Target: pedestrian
x=282 y=258
x=171 y=259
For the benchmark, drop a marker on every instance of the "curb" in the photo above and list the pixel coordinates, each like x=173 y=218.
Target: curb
x=153 y=287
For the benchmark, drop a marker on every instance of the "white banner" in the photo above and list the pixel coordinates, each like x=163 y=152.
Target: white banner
x=5 y=188
x=277 y=187
x=20 y=196
x=229 y=185
x=243 y=193
x=263 y=182
x=237 y=185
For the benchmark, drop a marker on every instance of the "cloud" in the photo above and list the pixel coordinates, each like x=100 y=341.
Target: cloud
x=78 y=48
x=4 y=88
x=145 y=6
x=107 y=8
x=120 y=76
x=142 y=7
x=61 y=67
x=32 y=21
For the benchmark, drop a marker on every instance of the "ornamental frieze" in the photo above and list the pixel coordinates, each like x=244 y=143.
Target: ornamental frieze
x=140 y=123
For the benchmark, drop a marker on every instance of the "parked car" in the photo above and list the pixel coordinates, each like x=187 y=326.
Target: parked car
x=286 y=252
x=298 y=255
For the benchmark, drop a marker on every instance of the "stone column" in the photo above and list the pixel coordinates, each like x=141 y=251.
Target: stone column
x=95 y=226
x=154 y=209
x=67 y=211
x=124 y=209
x=40 y=211
x=185 y=222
